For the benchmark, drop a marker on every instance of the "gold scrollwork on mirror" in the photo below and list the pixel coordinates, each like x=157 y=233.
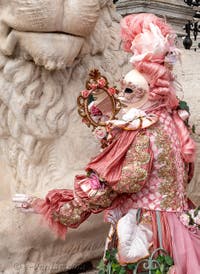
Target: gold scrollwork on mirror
x=98 y=103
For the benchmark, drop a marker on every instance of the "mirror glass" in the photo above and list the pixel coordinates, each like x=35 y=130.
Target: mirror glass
x=98 y=102
x=100 y=106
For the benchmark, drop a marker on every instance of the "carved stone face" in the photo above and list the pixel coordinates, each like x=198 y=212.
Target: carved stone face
x=42 y=139
x=38 y=111
x=51 y=33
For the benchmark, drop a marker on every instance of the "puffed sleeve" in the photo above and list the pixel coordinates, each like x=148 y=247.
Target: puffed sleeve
x=63 y=208
x=91 y=194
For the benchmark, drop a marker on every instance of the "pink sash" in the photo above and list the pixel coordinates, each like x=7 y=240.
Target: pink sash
x=108 y=164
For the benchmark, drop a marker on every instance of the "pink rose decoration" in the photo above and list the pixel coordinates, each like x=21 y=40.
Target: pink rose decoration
x=95 y=111
x=85 y=93
x=93 y=86
x=100 y=132
x=94 y=182
x=185 y=219
x=101 y=82
x=197 y=219
x=172 y=270
x=192 y=216
x=112 y=91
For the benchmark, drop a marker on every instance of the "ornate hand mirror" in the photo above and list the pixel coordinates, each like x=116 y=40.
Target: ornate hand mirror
x=98 y=103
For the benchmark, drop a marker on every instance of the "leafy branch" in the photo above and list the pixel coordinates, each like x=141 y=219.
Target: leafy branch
x=110 y=265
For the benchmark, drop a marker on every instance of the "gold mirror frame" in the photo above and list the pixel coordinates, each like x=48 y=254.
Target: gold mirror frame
x=97 y=82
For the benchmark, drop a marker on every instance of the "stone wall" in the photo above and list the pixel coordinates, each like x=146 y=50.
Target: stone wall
x=189 y=76
x=176 y=12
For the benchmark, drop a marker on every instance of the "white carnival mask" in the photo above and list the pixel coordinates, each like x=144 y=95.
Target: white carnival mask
x=135 y=89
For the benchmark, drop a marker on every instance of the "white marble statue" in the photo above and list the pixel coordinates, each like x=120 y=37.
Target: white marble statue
x=46 y=51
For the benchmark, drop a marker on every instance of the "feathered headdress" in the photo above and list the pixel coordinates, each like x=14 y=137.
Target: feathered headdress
x=152 y=42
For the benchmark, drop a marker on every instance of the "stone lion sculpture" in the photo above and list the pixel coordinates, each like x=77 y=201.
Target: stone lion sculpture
x=46 y=51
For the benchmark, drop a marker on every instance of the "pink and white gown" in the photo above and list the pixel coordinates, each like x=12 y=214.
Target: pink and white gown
x=146 y=168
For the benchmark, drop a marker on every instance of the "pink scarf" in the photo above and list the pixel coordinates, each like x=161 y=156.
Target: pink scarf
x=108 y=164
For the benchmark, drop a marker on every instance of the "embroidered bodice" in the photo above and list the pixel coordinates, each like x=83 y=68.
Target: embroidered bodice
x=155 y=159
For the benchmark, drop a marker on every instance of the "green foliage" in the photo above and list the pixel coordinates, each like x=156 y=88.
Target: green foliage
x=165 y=262
x=111 y=265
x=196 y=211
x=192 y=215
x=184 y=105
x=193 y=129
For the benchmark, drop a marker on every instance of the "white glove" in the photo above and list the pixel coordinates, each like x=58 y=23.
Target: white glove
x=23 y=202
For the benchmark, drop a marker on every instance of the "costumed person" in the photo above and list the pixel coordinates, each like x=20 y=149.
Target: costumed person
x=140 y=178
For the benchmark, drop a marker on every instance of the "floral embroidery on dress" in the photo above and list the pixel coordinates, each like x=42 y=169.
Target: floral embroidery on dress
x=91 y=191
x=146 y=218
x=168 y=187
x=135 y=169
x=69 y=214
